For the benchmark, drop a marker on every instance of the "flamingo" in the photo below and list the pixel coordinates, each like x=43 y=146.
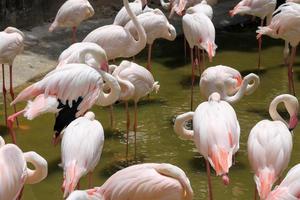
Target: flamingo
x=81 y=148
x=285 y=25
x=135 y=82
x=71 y=14
x=143 y=181
x=289 y=188
x=118 y=41
x=14 y=171
x=156 y=26
x=179 y=6
x=216 y=134
x=202 y=7
x=198 y=36
x=270 y=145
x=74 y=87
x=11 y=44
x=227 y=82
x=137 y=7
x=259 y=8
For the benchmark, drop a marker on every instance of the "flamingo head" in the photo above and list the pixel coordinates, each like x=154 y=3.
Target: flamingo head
x=293 y=122
x=210 y=48
x=292 y=107
x=104 y=66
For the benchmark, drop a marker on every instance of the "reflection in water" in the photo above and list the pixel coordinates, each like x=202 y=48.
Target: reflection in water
x=157 y=141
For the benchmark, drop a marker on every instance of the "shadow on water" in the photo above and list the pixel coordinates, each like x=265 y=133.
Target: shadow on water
x=3 y=130
x=111 y=134
x=186 y=81
x=53 y=167
x=120 y=163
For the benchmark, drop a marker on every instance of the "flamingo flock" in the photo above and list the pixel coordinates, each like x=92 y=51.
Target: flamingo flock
x=83 y=78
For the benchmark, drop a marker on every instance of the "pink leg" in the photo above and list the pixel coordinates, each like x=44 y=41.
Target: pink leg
x=135 y=127
x=20 y=194
x=291 y=73
x=127 y=127
x=74 y=30
x=111 y=113
x=90 y=179
x=4 y=94
x=149 y=66
x=203 y=59
x=193 y=78
x=255 y=192
x=259 y=47
x=12 y=91
x=208 y=180
x=10 y=122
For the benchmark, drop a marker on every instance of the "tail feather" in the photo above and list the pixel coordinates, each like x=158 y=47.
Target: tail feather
x=72 y=175
x=156 y=86
x=221 y=160
x=26 y=94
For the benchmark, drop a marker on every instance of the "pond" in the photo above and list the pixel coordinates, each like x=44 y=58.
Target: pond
x=156 y=140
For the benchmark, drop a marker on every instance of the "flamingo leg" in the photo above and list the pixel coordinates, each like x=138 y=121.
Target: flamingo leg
x=4 y=94
x=111 y=113
x=135 y=127
x=200 y=61
x=90 y=179
x=74 y=38
x=127 y=127
x=208 y=180
x=291 y=72
x=20 y=194
x=259 y=47
x=149 y=65
x=255 y=192
x=193 y=78
x=11 y=90
x=10 y=122
x=203 y=59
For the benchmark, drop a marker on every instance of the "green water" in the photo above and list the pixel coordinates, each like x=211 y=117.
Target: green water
x=157 y=141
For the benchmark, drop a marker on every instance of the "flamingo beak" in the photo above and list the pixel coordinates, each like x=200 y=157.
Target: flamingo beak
x=210 y=51
x=104 y=66
x=293 y=122
x=231 y=13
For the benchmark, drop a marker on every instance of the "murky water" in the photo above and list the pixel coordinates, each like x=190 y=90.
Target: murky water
x=157 y=141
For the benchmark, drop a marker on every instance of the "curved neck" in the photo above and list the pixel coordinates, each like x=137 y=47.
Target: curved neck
x=115 y=90
x=290 y=103
x=246 y=88
x=40 y=165
x=179 y=126
x=127 y=89
x=141 y=43
x=95 y=55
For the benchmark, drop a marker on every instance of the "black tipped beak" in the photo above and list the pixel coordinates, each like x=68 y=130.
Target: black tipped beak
x=291 y=129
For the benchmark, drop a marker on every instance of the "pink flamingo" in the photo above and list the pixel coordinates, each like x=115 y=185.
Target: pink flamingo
x=216 y=134
x=202 y=7
x=60 y=84
x=289 y=188
x=156 y=26
x=71 y=14
x=285 y=25
x=118 y=41
x=259 y=8
x=270 y=145
x=143 y=181
x=81 y=148
x=11 y=44
x=228 y=82
x=137 y=7
x=14 y=171
x=198 y=36
x=135 y=82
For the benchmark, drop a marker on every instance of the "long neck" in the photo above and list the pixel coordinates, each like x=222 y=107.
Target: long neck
x=246 y=87
x=40 y=165
x=95 y=56
x=115 y=90
x=141 y=43
x=288 y=103
x=127 y=89
x=179 y=126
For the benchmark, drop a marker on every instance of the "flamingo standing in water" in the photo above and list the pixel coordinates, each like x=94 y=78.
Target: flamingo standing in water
x=137 y=7
x=71 y=14
x=289 y=188
x=143 y=181
x=118 y=41
x=227 y=82
x=285 y=24
x=156 y=26
x=135 y=82
x=198 y=36
x=259 y=8
x=216 y=134
x=11 y=44
x=14 y=171
x=270 y=145
x=72 y=87
x=81 y=149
